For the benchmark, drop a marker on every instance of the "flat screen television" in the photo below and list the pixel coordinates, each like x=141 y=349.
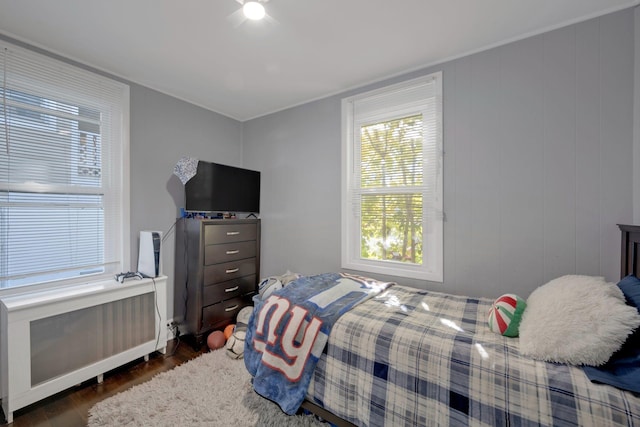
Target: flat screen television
x=222 y=188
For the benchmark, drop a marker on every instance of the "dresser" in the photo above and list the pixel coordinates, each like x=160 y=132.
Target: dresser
x=217 y=267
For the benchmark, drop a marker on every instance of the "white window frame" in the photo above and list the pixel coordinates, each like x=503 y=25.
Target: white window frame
x=116 y=233
x=432 y=268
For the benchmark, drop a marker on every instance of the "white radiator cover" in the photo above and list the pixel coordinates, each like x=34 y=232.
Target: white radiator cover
x=52 y=340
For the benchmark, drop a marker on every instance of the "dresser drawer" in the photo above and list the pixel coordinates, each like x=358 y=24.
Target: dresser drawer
x=222 y=312
x=230 y=289
x=229 y=270
x=216 y=254
x=227 y=233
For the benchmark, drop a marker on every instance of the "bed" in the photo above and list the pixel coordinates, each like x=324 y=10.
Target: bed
x=411 y=357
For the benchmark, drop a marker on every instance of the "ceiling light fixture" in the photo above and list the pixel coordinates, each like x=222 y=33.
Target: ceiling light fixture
x=253 y=10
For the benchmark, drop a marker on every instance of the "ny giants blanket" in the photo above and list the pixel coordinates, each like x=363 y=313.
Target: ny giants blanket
x=289 y=330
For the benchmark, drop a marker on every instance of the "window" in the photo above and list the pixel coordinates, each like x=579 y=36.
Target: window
x=63 y=172
x=392 y=180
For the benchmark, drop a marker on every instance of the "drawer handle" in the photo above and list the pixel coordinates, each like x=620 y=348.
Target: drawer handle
x=232 y=270
x=235 y=288
x=232 y=233
x=233 y=252
x=231 y=308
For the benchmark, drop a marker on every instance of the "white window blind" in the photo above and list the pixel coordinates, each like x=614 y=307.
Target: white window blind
x=392 y=186
x=63 y=159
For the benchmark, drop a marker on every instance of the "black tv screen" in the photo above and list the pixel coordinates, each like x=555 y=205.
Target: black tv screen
x=222 y=188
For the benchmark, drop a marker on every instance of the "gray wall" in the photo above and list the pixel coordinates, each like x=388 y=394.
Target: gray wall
x=164 y=129
x=538 y=138
x=636 y=124
x=298 y=153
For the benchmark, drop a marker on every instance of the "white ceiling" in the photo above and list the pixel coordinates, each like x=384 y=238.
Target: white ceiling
x=201 y=51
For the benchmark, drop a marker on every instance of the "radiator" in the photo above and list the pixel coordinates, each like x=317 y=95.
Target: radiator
x=52 y=340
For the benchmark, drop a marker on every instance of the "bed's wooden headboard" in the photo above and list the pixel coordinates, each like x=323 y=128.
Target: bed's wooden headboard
x=630 y=254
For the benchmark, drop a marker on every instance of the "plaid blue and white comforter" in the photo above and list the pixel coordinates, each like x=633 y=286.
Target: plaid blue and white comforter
x=418 y=358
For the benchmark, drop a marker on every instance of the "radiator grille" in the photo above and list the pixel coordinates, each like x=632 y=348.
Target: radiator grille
x=63 y=343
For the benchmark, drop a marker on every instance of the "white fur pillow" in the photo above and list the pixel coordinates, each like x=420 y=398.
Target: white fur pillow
x=581 y=320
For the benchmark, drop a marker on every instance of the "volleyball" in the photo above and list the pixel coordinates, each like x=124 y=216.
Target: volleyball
x=505 y=315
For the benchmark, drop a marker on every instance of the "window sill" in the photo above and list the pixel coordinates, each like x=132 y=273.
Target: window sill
x=98 y=290
x=402 y=271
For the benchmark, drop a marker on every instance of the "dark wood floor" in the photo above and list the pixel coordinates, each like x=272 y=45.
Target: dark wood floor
x=70 y=408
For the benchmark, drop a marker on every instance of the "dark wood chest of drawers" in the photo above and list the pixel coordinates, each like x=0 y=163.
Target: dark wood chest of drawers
x=217 y=267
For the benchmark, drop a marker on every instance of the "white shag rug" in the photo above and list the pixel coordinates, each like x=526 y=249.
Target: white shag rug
x=211 y=390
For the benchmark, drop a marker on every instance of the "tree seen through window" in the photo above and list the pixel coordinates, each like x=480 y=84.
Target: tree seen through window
x=391 y=213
